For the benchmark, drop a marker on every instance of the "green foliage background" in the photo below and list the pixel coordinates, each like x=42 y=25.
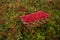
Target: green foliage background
x=10 y=25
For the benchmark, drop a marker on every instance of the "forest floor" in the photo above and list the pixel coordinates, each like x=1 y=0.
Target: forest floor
x=11 y=10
